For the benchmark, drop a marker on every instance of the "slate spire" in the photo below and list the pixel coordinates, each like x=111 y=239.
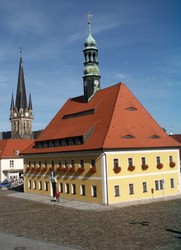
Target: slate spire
x=21 y=101
x=21 y=115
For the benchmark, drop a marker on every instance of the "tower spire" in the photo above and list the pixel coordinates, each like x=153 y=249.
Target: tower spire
x=21 y=101
x=91 y=76
x=20 y=114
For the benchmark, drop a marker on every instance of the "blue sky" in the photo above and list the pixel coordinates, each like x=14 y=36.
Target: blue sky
x=139 y=43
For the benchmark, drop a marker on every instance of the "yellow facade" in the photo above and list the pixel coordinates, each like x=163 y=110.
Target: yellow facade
x=104 y=185
x=141 y=184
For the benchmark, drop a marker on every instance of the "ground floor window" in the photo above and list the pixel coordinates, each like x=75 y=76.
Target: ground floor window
x=46 y=186
x=172 y=185
x=82 y=190
x=159 y=184
x=61 y=188
x=131 y=188
x=145 y=189
x=94 y=191
x=34 y=184
x=29 y=184
x=116 y=191
x=67 y=188
x=40 y=185
x=73 y=189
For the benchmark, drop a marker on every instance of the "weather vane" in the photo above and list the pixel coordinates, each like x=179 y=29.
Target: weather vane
x=89 y=17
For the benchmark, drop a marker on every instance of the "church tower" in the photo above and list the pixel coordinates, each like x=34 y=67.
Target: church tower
x=21 y=115
x=91 y=78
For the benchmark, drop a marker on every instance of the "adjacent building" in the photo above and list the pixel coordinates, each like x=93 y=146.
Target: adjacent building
x=102 y=146
x=11 y=160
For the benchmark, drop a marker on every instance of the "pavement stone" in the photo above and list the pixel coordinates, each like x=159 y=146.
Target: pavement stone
x=35 y=219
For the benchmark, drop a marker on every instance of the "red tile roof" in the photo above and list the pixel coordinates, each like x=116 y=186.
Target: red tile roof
x=9 y=148
x=117 y=118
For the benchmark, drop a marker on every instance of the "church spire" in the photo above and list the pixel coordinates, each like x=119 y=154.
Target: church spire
x=91 y=76
x=21 y=116
x=21 y=101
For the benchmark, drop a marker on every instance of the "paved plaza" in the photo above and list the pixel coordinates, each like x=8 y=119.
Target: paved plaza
x=39 y=220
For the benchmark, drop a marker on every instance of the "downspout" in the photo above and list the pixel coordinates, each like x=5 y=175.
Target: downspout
x=105 y=180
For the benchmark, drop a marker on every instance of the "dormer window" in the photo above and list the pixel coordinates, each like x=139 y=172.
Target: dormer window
x=131 y=108
x=154 y=137
x=127 y=137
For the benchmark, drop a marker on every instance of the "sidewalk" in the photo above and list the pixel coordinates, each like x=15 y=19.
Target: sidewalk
x=63 y=202
x=81 y=205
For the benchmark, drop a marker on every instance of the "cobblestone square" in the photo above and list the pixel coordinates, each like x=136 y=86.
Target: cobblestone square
x=155 y=225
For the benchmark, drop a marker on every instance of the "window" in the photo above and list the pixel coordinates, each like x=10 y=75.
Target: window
x=73 y=189
x=94 y=191
x=66 y=164
x=45 y=163
x=170 y=159
x=158 y=159
x=130 y=162
x=156 y=185
x=145 y=189
x=60 y=163
x=116 y=191
x=143 y=160
x=53 y=164
x=34 y=184
x=82 y=190
x=11 y=163
x=82 y=163
x=93 y=163
x=131 y=189
x=40 y=185
x=61 y=188
x=46 y=186
x=67 y=188
x=34 y=163
x=172 y=185
x=159 y=184
x=39 y=163
x=72 y=163
x=29 y=184
x=29 y=163
x=116 y=163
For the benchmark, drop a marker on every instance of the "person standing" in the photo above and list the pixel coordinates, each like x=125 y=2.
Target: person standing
x=57 y=195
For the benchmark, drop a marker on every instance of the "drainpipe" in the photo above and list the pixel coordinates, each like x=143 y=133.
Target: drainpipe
x=105 y=185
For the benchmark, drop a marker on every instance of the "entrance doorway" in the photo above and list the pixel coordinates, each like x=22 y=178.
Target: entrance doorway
x=54 y=188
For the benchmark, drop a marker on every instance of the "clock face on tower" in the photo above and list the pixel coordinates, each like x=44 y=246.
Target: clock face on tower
x=96 y=82
x=15 y=114
x=26 y=114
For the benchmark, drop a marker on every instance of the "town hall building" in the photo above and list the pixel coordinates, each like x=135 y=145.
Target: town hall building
x=102 y=147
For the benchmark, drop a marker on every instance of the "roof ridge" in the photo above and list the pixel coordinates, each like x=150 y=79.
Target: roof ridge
x=113 y=110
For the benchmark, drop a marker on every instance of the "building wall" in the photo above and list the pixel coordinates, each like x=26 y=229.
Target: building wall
x=156 y=181
x=90 y=180
x=11 y=168
x=104 y=179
